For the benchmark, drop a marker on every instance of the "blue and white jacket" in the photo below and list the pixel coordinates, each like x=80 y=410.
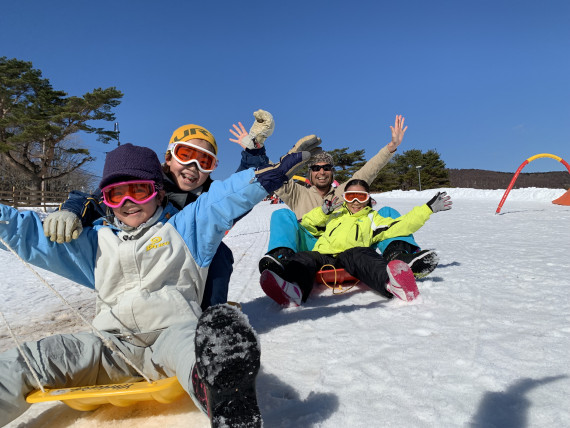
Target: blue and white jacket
x=148 y=280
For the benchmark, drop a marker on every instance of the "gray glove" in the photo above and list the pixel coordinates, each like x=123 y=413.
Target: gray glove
x=62 y=226
x=329 y=206
x=261 y=129
x=310 y=143
x=440 y=202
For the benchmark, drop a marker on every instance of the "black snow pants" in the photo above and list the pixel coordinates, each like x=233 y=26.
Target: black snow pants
x=363 y=263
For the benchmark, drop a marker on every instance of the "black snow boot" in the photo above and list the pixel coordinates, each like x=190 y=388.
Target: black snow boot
x=272 y=260
x=199 y=390
x=227 y=362
x=421 y=262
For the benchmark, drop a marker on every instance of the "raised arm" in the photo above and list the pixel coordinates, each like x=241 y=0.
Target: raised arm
x=371 y=168
x=253 y=155
x=202 y=224
x=398 y=131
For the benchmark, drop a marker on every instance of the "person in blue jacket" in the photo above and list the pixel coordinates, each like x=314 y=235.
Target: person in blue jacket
x=190 y=158
x=148 y=264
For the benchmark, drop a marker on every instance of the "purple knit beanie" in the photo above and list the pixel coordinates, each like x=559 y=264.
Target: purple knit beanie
x=129 y=162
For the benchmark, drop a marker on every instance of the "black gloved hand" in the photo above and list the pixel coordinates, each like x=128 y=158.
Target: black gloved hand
x=272 y=177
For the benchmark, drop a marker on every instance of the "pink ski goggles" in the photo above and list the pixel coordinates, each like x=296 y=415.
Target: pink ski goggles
x=137 y=191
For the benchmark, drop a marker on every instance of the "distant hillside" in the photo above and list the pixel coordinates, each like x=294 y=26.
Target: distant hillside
x=482 y=179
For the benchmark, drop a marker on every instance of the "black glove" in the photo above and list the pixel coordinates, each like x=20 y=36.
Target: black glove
x=272 y=177
x=440 y=202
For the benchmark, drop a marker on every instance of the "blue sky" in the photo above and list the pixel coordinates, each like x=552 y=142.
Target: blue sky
x=485 y=83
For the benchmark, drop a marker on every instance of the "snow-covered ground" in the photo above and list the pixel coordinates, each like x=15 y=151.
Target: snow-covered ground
x=487 y=344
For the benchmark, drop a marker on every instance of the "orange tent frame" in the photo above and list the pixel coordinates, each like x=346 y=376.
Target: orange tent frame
x=563 y=200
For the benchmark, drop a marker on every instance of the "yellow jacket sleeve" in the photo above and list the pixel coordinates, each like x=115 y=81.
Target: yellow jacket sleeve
x=385 y=227
x=315 y=221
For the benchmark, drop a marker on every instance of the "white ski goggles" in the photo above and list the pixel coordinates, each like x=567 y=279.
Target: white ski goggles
x=356 y=195
x=186 y=153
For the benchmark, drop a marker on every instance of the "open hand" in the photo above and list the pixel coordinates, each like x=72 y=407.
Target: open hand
x=240 y=133
x=398 y=131
x=440 y=202
x=262 y=128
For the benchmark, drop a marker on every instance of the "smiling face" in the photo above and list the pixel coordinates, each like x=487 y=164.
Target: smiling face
x=356 y=205
x=188 y=177
x=322 y=179
x=134 y=215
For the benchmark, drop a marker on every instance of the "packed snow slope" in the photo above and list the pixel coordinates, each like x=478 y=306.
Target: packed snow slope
x=487 y=344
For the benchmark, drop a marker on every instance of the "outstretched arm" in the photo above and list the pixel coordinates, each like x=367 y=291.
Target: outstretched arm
x=371 y=168
x=23 y=232
x=202 y=224
x=386 y=228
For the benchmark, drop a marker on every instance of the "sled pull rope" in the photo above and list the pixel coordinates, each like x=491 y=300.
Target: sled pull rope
x=108 y=343
x=36 y=378
x=334 y=287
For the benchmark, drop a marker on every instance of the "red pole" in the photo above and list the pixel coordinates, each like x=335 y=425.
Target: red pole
x=511 y=184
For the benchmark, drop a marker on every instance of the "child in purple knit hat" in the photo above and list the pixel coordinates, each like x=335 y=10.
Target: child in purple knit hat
x=148 y=268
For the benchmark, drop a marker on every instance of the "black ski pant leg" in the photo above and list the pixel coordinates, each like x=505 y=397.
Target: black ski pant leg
x=302 y=268
x=368 y=266
x=218 y=279
x=398 y=246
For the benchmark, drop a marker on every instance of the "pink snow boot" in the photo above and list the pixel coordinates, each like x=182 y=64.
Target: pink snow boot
x=283 y=292
x=401 y=283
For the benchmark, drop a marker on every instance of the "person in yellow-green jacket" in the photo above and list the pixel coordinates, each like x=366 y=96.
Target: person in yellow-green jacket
x=347 y=229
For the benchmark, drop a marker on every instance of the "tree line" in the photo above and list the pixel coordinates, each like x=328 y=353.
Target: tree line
x=401 y=173
x=40 y=148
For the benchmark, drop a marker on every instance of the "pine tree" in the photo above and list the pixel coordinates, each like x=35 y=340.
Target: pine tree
x=36 y=121
x=346 y=164
x=401 y=172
